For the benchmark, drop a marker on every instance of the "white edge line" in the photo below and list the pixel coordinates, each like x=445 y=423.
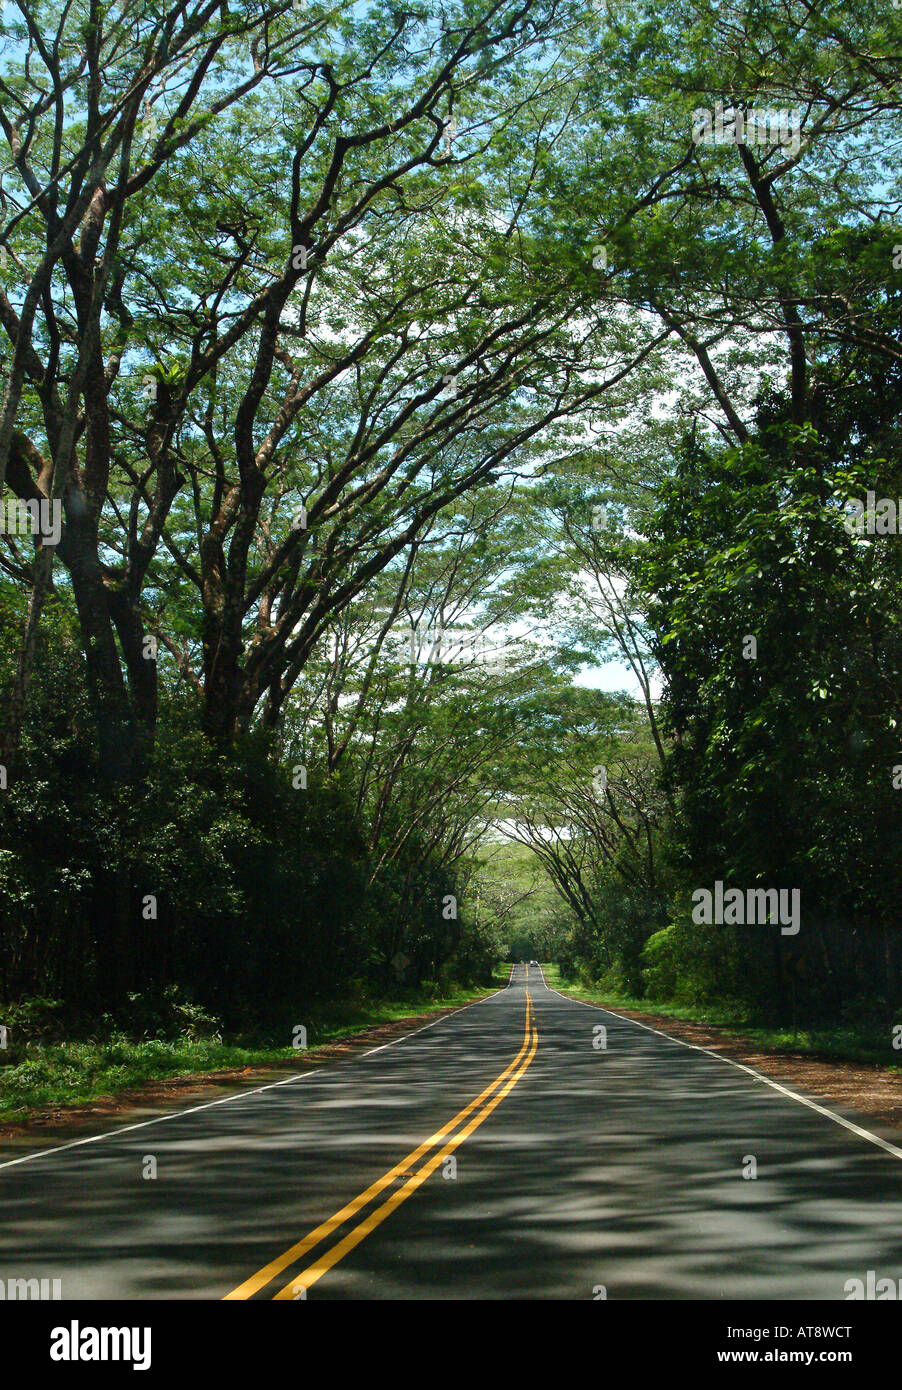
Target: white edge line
x=159 y=1119
x=224 y=1100
x=741 y=1066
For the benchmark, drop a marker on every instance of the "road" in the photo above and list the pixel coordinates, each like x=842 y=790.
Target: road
x=500 y=1152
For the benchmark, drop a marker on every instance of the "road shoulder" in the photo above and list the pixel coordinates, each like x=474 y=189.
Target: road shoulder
x=869 y=1091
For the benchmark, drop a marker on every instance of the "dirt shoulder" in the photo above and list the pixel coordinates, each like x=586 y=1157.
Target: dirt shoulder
x=57 y=1124
x=871 y=1091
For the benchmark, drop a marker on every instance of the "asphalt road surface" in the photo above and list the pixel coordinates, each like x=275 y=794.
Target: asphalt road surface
x=501 y=1152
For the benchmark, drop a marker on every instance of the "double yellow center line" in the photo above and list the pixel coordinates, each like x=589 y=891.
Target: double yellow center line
x=469 y=1119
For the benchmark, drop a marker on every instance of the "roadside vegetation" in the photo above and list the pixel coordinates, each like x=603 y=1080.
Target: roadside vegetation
x=846 y=1044
x=48 y=1069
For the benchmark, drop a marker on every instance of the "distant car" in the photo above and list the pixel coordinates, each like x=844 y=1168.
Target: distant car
x=533 y=962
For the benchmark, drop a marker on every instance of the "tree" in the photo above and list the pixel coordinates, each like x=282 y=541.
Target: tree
x=237 y=372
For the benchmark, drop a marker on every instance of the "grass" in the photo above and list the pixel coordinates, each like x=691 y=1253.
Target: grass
x=67 y=1074
x=871 y=1044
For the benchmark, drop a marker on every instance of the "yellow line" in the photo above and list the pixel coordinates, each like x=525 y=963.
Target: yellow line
x=375 y=1218
x=319 y=1233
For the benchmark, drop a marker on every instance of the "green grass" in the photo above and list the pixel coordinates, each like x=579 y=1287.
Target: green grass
x=843 y=1043
x=67 y=1074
